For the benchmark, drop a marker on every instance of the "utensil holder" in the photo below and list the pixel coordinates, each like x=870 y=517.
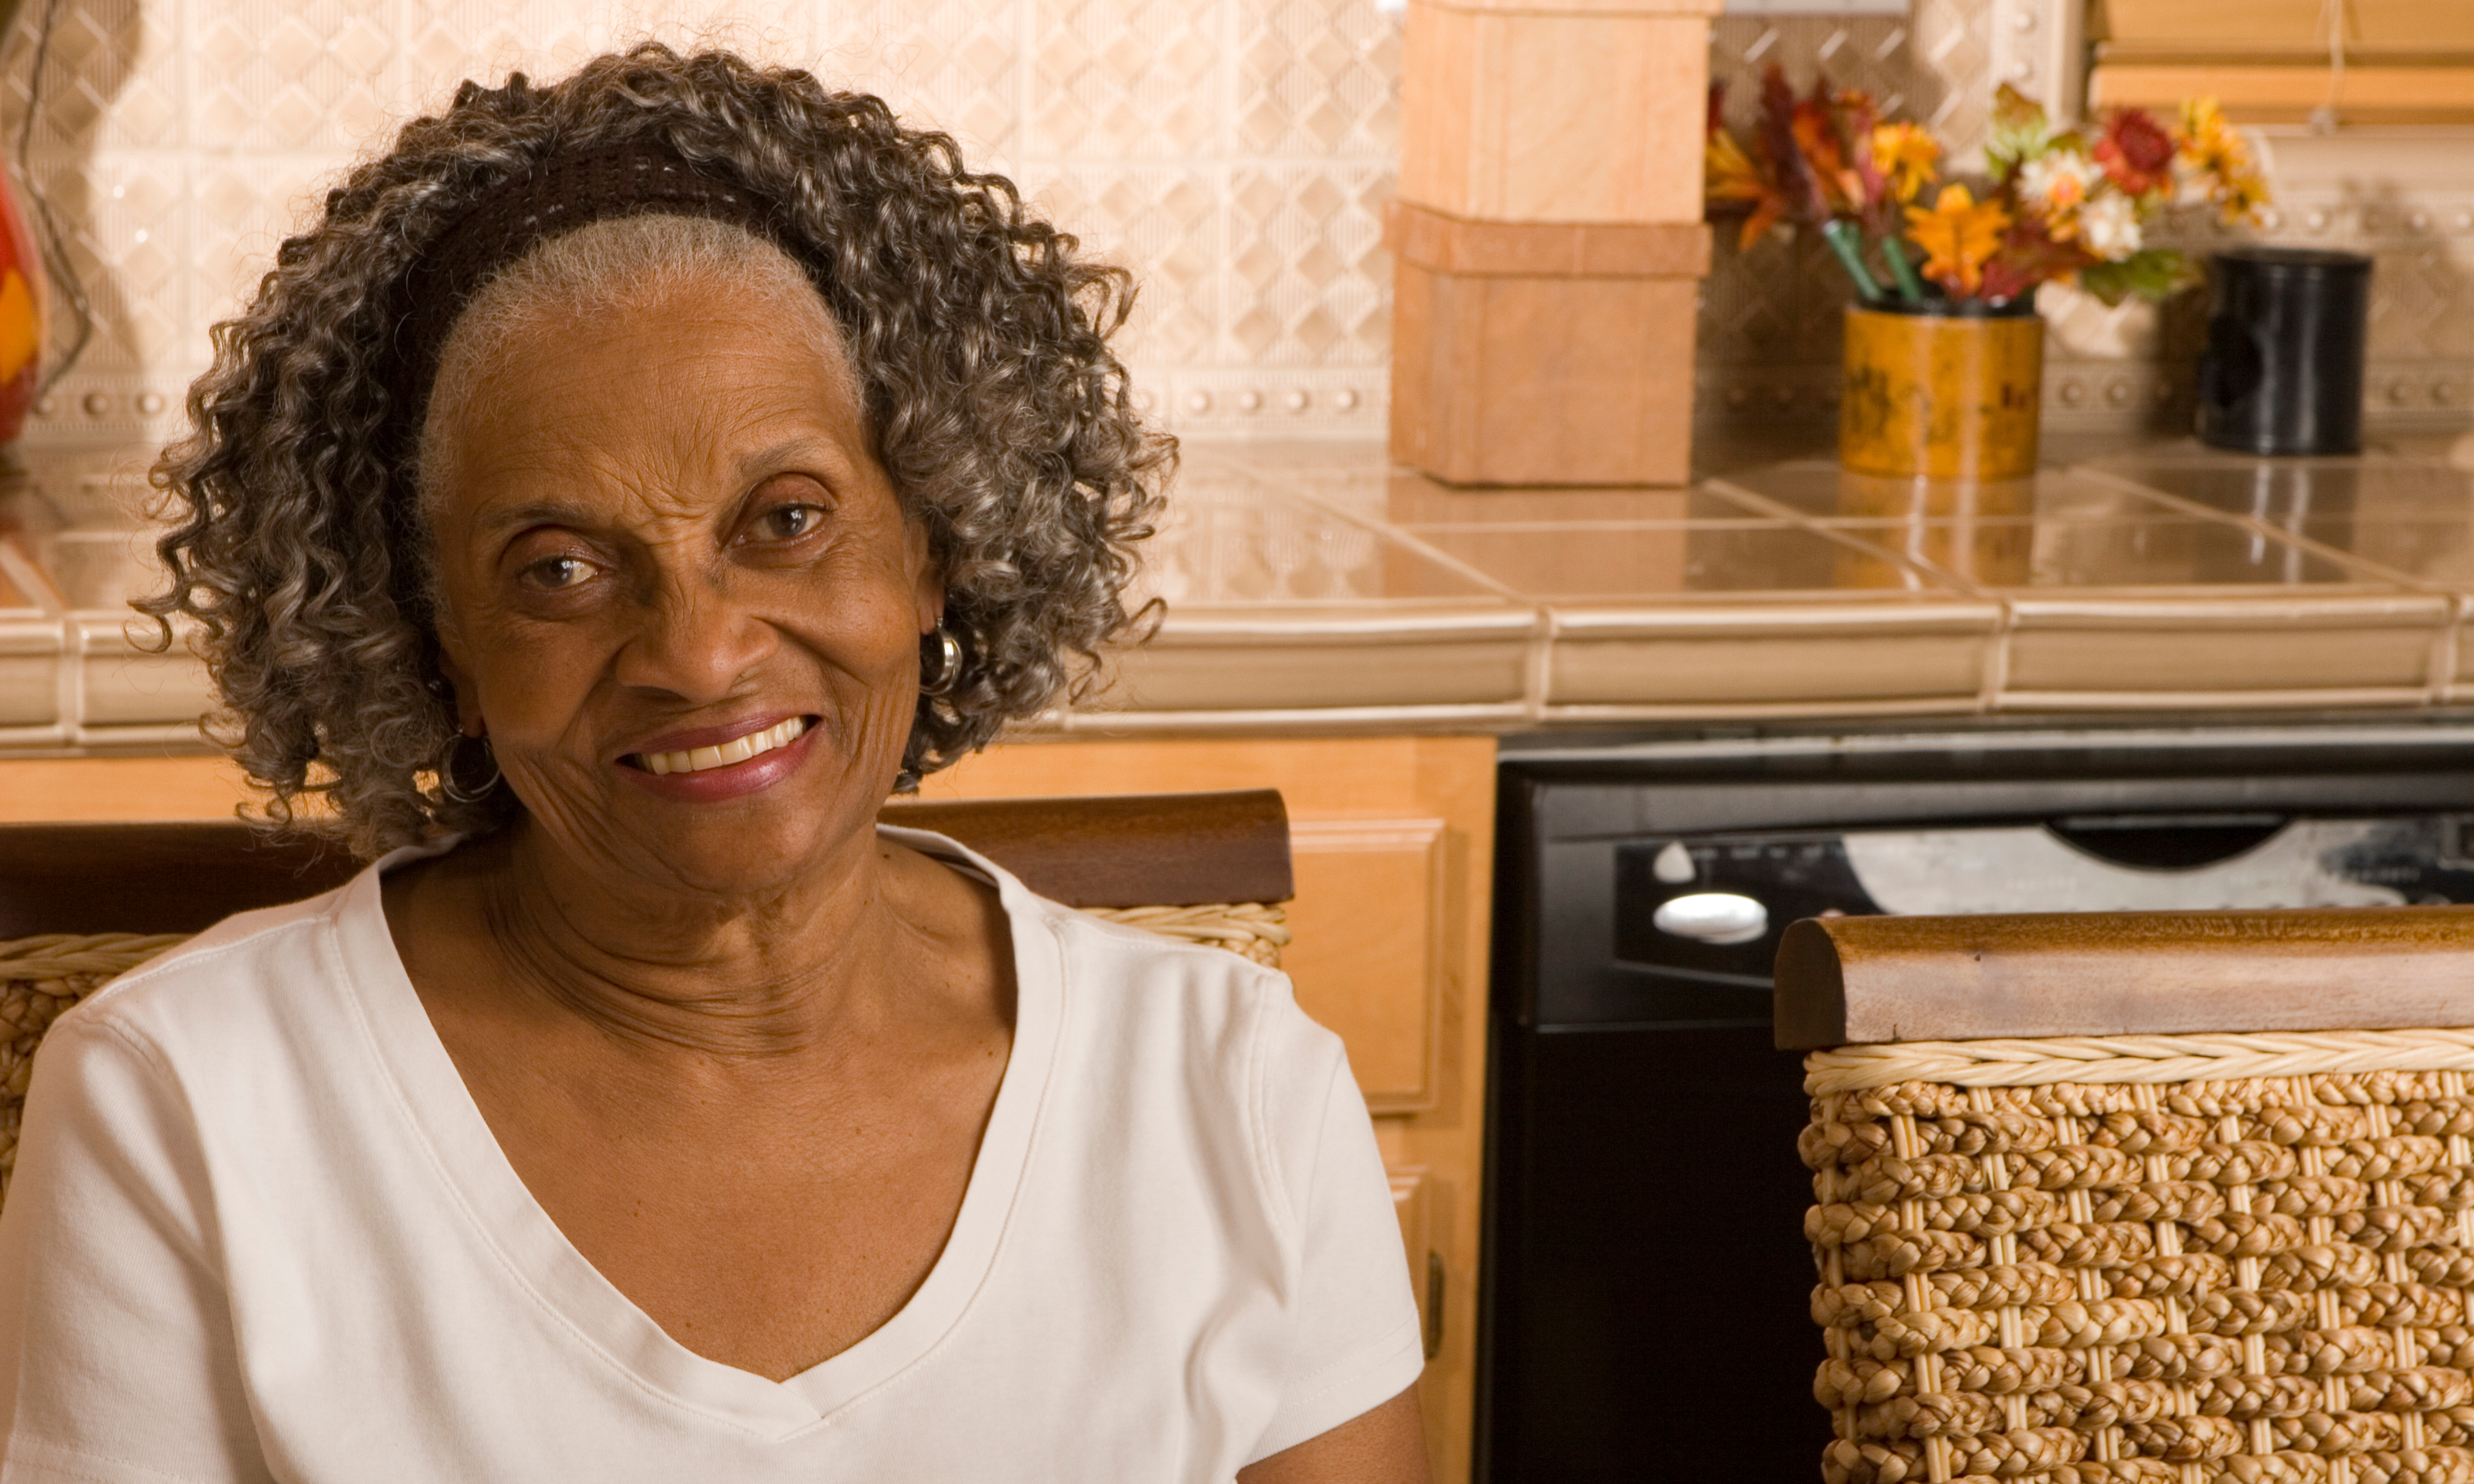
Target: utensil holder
x=1945 y=389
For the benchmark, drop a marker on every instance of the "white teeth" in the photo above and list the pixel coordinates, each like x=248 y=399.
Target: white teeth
x=697 y=759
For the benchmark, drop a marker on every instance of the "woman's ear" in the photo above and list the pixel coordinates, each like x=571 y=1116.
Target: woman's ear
x=929 y=586
x=459 y=690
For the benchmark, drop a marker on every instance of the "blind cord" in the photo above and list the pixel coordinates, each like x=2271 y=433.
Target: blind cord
x=2331 y=15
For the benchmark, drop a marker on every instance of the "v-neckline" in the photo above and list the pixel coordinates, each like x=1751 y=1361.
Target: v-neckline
x=538 y=1257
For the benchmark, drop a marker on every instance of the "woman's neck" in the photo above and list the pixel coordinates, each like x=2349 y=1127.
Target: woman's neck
x=743 y=975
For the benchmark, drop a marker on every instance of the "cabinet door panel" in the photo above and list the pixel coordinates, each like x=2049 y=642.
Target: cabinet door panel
x=1367 y=953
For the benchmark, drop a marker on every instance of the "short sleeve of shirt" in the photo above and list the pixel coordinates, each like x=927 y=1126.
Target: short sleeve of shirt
x=1356 y=1338
x=116 y=1353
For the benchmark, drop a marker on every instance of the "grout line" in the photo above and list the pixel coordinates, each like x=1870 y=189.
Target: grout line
x=1387 y=531
x=1912 y=564
x=2345 y=560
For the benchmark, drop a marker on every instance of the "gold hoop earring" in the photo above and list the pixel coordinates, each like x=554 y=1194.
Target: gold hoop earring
x=938 y=676
x=453 y=791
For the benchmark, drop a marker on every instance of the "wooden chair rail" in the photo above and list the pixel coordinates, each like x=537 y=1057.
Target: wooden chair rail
x=1129 y=850
x=1124 y=849
x=1877 y=980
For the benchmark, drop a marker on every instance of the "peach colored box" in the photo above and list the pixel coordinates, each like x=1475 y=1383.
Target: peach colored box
x=1582 y=112
x=1543 y=354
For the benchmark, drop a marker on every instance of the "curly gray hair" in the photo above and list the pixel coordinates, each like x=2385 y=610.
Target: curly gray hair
x=978 y=336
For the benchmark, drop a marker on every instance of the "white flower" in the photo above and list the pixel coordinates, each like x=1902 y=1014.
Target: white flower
x=2109 y=226
x=2057 y=182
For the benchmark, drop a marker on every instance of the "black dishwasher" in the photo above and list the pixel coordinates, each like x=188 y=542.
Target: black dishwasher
x=1644 y=1304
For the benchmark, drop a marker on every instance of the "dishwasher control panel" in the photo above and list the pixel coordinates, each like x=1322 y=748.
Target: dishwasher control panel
x=1715 y=905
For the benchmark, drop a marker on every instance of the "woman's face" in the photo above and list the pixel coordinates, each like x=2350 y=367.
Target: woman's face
x=663 y=544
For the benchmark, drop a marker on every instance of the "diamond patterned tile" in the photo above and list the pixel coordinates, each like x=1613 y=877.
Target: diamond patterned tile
x=449 y=41
x=127 y=222
x=2422 y=299
x=780 y=31
x=288 y=75
x=1953 y=47
x=1308 y=284
x=1126 y=79
x=1233 y=152
x=113 y=77
x=1912 y=66
x=245 y=209
x=1317 y=78
x=1167 y=225
x=955 y=64
x=1775 y=303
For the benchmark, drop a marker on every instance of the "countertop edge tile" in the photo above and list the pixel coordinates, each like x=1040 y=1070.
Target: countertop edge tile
x=1764 y=618
x=2199 y=608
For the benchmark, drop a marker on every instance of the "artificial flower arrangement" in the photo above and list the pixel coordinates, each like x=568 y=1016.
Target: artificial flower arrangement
x=2058 y=205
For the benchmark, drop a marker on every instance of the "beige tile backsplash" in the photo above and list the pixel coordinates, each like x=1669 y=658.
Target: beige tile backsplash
x=1236 y=153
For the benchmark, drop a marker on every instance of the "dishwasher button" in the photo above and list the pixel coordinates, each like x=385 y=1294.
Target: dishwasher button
x=1716 y=918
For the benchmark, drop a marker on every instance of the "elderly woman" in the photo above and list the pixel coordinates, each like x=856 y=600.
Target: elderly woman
x=621 y=489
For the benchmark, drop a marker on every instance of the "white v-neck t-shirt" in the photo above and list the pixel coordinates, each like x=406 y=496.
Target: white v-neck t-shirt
x=259 y=1230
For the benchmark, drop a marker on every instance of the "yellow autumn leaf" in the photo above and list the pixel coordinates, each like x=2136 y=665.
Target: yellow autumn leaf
x=1729 y=178
x=1958 y=235
x=1727 y=172
x=2217 y=155
x=1907 y=157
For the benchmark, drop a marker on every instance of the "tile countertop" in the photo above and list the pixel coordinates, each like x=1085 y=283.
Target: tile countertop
x=1313 y=588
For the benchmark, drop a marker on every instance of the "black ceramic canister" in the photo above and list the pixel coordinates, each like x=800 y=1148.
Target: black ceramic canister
x=2283 y=373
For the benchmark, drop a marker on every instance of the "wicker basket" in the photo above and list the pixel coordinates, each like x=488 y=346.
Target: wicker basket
x=42 y=976
x=2147 y=1257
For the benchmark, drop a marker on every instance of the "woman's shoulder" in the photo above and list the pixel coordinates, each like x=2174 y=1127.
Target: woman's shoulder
x=249 y=968
x=1141 y=989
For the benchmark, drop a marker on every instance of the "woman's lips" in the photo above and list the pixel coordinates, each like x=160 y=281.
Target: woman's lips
x=706 y=780
x=738 y=750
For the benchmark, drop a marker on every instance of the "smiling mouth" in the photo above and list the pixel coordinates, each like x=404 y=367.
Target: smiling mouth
x=739 y=749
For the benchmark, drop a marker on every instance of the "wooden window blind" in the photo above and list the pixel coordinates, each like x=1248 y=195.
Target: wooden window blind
x=2267 y=62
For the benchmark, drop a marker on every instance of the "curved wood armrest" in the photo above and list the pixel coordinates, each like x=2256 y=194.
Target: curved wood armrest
x=166 y=877
x=1124 y=850
x=1869 y=980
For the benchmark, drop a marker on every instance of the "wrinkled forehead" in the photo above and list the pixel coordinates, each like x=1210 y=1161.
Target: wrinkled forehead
x=708 y=321
x=669 y=411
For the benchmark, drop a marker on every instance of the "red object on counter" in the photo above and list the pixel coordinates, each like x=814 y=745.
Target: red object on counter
x=21 y=313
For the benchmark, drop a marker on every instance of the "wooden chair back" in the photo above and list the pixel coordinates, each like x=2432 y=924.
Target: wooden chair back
x=1118 y=851
x=2146 y=1196
x=81 y=904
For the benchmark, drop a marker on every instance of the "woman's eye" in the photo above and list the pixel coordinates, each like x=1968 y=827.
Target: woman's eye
x=789 y=522
x=559 y=574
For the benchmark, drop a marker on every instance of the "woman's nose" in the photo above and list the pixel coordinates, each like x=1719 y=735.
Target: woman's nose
x=692 y=638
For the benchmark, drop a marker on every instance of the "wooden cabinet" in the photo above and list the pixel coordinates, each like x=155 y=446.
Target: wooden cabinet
x=1369 y=948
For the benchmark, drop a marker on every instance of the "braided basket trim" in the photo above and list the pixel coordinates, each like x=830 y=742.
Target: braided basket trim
x=2234 y=1279
x=1256 y=930
x=2138 y=1059
x=52 y=955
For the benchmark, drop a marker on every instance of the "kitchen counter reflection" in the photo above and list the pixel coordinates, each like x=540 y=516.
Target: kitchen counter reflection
x=2149 y=578
x=1316 y=588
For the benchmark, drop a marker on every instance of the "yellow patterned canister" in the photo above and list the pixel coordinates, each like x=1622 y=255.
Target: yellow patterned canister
x=1945 y=396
